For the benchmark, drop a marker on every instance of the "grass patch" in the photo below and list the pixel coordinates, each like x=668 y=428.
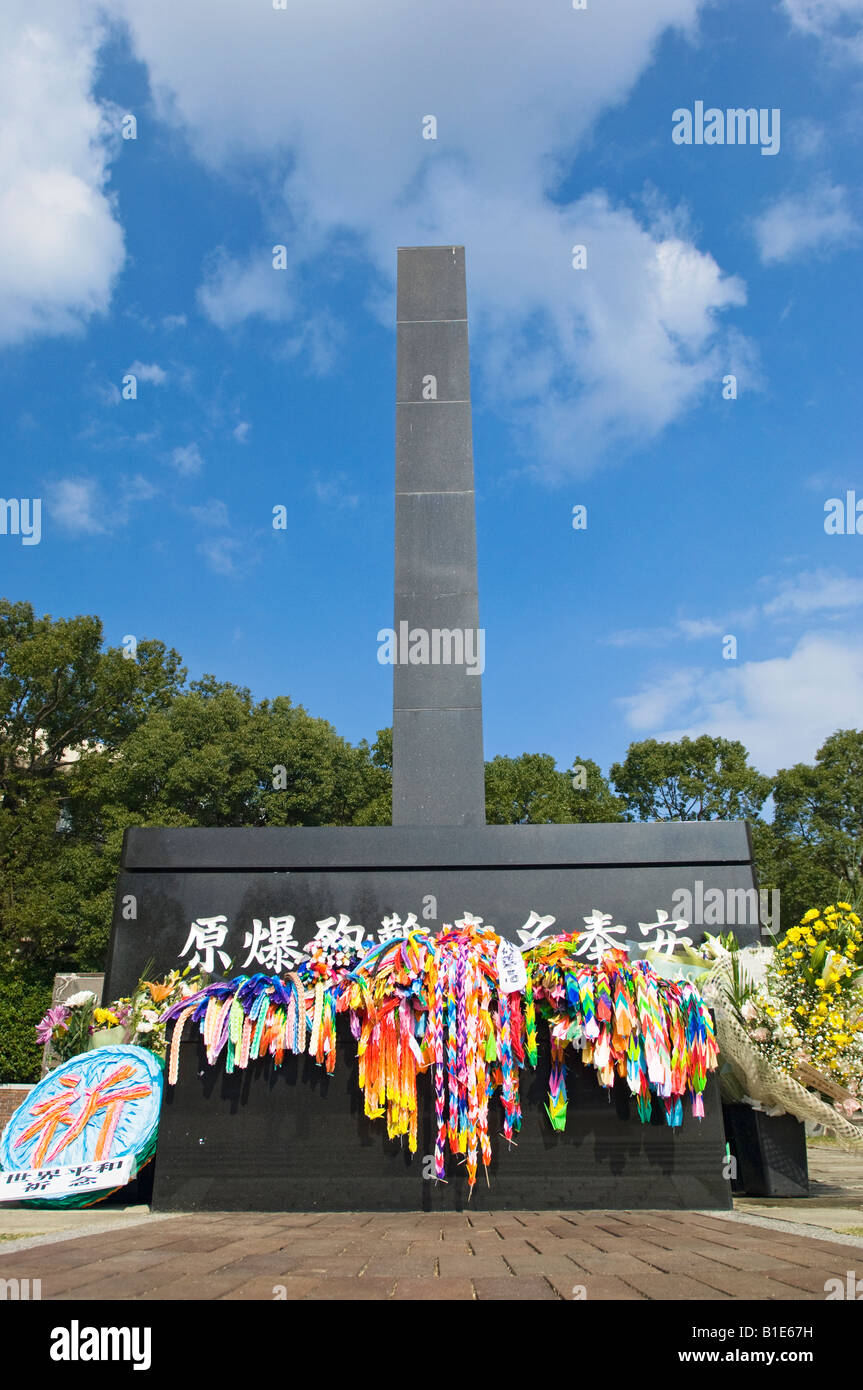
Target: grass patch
x=19 y=1235
x=851 y=1231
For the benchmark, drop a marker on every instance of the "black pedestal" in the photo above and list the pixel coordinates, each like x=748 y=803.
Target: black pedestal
x=293 y=1139
x=770 y=1151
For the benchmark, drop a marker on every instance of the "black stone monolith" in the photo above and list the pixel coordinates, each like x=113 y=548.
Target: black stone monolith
x=438 y=768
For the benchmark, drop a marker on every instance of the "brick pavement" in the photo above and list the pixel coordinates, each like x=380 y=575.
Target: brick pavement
x=464 y=1256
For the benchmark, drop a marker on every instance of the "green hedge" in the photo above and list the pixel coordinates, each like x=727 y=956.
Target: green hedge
x=22 y=1004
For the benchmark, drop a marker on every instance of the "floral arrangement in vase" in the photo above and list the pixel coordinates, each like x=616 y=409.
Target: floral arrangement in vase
x=807 y=1014
x=79 y=1025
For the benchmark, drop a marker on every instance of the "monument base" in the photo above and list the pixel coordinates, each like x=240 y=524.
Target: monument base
x=294 y=1139
x=770 y=1151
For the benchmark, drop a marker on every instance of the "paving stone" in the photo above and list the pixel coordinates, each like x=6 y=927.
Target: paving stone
x=198 y=1267
x=275 y=1262
x=403 y=1267
x=350 y=1289
x=663 y=1287
x=62 y=1259
x=66 y=1284
x=192 y=1244
x=533 y=1288
x=811 y=1281
x=375 y=1249
x=261 y=1289
x=296 y=1288
x=607 y=1286
x=692 y=1262
x=118 y=1286
x=430 y=1250
x=433 y=1290
x=543 y=1266
x=471 y=1266
x=569 y=1284
x=182 y=1290
x=749 y=1286
x=601 y=1263
x=479 y=1235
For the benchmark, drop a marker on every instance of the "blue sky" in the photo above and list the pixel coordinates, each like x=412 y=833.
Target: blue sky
x=601 y=386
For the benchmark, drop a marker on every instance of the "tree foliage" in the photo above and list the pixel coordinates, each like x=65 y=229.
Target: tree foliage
x=694 y=779
x=814 y=848
x=531 y=790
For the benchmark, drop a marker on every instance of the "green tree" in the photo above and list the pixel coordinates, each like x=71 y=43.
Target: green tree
x=378 y=810
x=694 y=779
x=214 y=758
x=818 y=824
x=531 y=790
x=60 y=692
x=791 y=868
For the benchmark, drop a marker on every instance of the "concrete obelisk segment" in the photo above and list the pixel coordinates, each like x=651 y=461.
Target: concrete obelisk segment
x=438 y=768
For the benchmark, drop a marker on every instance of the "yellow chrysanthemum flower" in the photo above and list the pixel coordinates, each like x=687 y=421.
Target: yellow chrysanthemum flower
x=105 y=1017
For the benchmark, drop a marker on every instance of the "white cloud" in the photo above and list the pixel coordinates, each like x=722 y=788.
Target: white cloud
x=235 y=290
x=213 y=514
x=345 y=88
x=685 y=629
x=317 y=343
x=808 y=592
x=82 y=505
x=815 y=591
x=583 y=360
x=838 y=23
x=608 y=356
x=241 y=431
x=108 y=392
x=171 y=321
x=817 y=221
x=805 y=137
x=61 y=246
x=782 y=709
x=640 y=637
x=222 y=554
x=696 y=628
x=662 y=698
x=187 y=460
x=151 y=372
x=138 y=489
x=76 y=505
x=333 y=492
